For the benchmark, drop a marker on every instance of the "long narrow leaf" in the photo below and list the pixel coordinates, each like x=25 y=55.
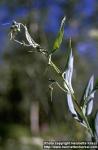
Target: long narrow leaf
x=67 y=75
x=68 y=52
x=75 y=114
x=70 y=104
x=87 y=98
x=59 y=38
x=89 y=107
x=89 y=87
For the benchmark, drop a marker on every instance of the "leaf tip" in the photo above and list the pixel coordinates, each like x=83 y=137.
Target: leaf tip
x=63 y=22
x=92 y=77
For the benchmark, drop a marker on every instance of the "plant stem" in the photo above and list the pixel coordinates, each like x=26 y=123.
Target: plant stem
x=61 y=87
x=36 y=46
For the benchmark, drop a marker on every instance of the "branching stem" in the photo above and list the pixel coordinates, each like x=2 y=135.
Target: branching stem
x=38 y=48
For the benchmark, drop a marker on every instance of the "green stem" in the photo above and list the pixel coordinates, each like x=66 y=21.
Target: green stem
x=74 y=98
x=79 y=110
x=60 y=73
x=61 y=87
x=55 y=67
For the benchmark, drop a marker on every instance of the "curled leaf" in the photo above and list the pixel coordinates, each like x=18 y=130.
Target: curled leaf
x=29 y=38
x=14 y=29
x=67 y=75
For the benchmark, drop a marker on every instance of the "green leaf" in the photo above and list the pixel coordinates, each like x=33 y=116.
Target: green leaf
x=68 y=52
x=59 y=38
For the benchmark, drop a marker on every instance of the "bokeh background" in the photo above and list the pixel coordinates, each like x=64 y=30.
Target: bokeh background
x=27 y=115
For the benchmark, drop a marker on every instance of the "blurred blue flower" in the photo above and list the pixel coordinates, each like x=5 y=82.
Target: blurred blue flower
x=71 y=32
x=54 y=17
x=2 y=40
x=20 y=12
x=40 y=4
x=87 y=47
x=37 y=4
x=85 y=8
x=3 y=12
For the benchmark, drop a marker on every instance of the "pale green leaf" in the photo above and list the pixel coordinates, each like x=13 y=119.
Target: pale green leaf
x=59 y=38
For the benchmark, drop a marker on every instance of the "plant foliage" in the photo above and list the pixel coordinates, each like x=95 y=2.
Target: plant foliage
x=79 y=111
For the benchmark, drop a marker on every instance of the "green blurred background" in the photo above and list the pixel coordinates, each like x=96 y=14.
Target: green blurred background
x=27 y=115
